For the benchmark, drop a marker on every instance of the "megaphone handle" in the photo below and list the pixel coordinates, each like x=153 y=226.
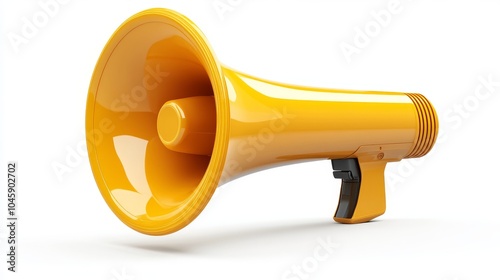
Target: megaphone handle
x=362 y=195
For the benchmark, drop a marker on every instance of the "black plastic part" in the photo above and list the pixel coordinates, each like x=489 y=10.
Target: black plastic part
x=348 y=170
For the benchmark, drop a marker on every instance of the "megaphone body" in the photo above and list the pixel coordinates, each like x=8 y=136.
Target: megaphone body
x=167 y=124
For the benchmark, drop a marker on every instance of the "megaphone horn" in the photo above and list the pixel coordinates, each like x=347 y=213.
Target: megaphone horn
x=177 y=124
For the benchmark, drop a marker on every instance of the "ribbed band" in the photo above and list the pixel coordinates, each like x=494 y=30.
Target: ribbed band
x=427 y=126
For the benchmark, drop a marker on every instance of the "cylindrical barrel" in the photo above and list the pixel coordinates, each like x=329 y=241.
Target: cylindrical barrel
x=273 y=124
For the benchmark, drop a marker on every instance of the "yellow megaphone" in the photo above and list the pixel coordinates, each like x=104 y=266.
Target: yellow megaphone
x=166 y=124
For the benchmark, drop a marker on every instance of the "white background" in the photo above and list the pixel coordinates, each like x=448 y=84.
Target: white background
x=442 y=219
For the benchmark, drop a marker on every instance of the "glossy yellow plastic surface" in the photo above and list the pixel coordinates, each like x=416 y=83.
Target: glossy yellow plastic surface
x=167 y=124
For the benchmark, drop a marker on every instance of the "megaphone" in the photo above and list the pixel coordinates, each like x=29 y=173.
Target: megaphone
x=167 y=124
